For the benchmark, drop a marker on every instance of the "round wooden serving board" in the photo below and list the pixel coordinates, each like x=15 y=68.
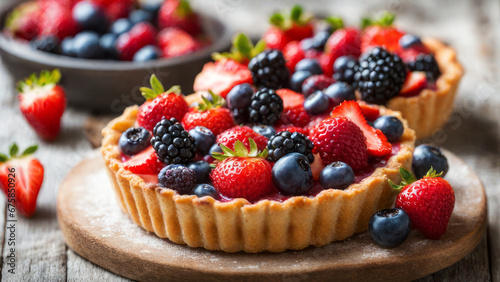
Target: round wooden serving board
x=94 y=226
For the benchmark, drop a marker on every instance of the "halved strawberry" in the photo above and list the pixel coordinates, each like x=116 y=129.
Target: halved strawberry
x=414 y=83
x=175 y=42
x=293 y=108
x=220 y=77
x=287 y=27
x=146 y=162
x=22 y=22
x=26 y=173
x=376 y=141
x=371 y=112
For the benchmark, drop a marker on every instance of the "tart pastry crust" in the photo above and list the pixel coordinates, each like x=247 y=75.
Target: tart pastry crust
x=429 y=111
x=238 y=225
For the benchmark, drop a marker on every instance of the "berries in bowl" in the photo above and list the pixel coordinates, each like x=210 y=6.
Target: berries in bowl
x=114 y=44
x=262 y=184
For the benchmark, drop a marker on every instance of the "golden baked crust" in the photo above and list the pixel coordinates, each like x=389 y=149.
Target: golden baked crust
x=429 y=111
x=241 y=226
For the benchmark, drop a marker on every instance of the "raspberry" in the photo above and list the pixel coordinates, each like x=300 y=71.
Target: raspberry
x=178 y=178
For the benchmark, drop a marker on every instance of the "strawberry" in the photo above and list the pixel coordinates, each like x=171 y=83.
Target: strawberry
x=242 y=50
x=370 y=112
x=380 y=32
x=242 y=173
x=160 y=104
x=56 y=19
x=22 y=22
x=21 y=177
x=339 y=139
x=293 y=54
x=288 y=27
x=414 y=83
x=115 y=9
x=376 y=141
x=429 y=202
x=243 y=134
x=178 y=13
x=140 y=35
x=293 y=108
x=175 y=42
x=292 y=129
x=342 y=42
x=146 y=162
x=210 y=115
x=220 y=77
x=42 y=103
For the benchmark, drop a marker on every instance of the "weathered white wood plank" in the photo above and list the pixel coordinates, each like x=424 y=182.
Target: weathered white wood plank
x=79 y=268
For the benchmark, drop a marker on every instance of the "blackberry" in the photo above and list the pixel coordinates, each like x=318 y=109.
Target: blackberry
x=178 y=178
x=286 y=142
x=172 y=143
x=48 y=44
x=344 y=69
x=380 y=76
x=266 y=107
x=428 y=64
x=269 y=70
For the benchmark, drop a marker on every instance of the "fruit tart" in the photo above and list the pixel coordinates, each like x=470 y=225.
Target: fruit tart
x=238 y=175
x=385 y=65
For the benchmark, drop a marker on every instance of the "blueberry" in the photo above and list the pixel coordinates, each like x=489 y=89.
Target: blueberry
x=205 y=190
x=147 y=53
x=320 y=39
x=311 y=65
x=134 y=140
x=67 y=47
x=121 y=26
x=240 y=96
x=89 y=17
x=87 y=45
x=178 y=178
x=426 y=156
x=292 y=175
x=339 y=92
x=215 y=149
x=298 y=79
x=316 y=103
x=151 y=7
x=202 y=170
x=138 y=16
x=409 y=40
x=391 y=126
x=264 y=130
x=46 y=43
x=307 y=44
x=337 y=175
x=390 y=227
x=108 y=44
x=204 y=139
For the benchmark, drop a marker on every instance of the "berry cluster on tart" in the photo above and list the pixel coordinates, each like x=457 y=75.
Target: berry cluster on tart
x=379 y=62
x=184 y=169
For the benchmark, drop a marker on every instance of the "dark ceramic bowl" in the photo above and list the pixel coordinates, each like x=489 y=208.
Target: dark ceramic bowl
x=110 y=86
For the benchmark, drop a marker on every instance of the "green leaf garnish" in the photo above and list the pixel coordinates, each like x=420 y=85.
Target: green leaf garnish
x=242 y=49
x=384 y=19
x=296 y=16
x=30 y=150
x=217 y=101
x=240 y=150
x=157 y=89
x=13 y=150
x=408 y=178
x=334 y=22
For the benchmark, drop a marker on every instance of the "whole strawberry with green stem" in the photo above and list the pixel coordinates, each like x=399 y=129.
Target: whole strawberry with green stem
x=429 y=202
x=178 y=13
x=43 y=102
x=242 y=173
x=21 y=177
x=22 y=22
x=209 y=114
x=380 y=31
x=160 y=104
x=242 y=50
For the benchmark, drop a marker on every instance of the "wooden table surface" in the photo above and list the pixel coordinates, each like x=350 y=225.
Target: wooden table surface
x=473 y=132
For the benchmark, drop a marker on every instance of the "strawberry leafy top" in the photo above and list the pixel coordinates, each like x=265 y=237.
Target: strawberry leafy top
x=408 y=177
x=13 y=152
x=184 y=9
x=240 y=150
x=242 y=50
x=296 y=16
x=334 y=22
x=217 y=102
x=384 y=19
x=157 y=89
x=46 y=79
